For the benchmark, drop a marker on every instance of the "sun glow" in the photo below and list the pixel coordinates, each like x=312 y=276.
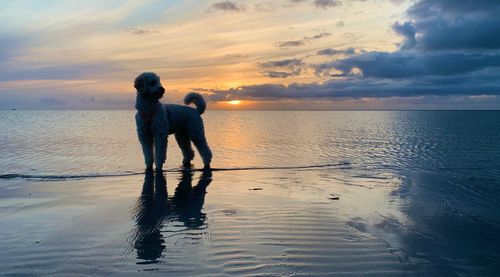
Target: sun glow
x=234 y=102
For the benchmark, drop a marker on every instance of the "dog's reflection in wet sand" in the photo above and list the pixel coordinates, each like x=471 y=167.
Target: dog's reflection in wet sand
x=154 y=209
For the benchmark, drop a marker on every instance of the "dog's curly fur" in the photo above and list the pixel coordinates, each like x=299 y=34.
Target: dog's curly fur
x=156 y=121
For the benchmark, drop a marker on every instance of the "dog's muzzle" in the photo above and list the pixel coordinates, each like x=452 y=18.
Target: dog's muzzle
x=161 y=93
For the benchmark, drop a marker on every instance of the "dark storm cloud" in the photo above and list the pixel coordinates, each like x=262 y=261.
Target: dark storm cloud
x=406 y=30
x=460 y=34
x=408 y=65
x=426 y=8
x=444 y=39
x=228 y=6
x=447 y=24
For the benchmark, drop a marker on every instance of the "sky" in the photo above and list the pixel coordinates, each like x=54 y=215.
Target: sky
x=253 y=55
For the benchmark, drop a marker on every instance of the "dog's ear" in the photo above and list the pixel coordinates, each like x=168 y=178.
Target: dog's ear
x=139 y=82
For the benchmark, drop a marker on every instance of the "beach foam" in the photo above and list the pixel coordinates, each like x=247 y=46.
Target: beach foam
x=51 y=177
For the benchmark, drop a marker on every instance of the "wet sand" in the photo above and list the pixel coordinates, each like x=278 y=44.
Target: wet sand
x=265 y=222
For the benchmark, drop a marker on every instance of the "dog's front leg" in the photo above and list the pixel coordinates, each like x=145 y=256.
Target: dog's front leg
x=146 y=140
x=161 y=141
x=147 y=150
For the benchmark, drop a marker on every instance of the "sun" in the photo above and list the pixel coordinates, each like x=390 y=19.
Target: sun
x=234 y=102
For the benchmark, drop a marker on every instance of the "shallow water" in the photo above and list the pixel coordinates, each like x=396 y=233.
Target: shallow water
x=419 y=193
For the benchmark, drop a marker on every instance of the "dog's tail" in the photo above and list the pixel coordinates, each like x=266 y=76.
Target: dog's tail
x=198 y=101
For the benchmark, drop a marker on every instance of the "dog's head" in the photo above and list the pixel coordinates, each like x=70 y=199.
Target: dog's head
x=148 y=86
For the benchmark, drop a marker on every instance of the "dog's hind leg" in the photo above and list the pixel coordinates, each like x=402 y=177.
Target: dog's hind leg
x=199 y=140
x=185 y=146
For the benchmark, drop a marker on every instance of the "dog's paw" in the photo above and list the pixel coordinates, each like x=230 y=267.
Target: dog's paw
x=187 y=167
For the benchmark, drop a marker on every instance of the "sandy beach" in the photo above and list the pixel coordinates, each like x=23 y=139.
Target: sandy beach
x=223 y=223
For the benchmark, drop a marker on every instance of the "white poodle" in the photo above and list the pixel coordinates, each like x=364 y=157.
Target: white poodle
x=156 y=121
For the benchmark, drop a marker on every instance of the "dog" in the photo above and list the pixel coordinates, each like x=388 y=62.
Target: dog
x=155 y=121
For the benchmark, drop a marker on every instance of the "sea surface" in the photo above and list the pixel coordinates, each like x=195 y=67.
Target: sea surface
x=351 y=193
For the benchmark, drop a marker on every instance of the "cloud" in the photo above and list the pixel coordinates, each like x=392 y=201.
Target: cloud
x=326 y=3
x=228 y=6
x=333 y=52
x=451 y=25
x=203 y=89
x=433 y=46
x=11 y=46
x=431 y=8
x=449 y=49
x=290 y=43
x=295 y=43
x=264 y=7
x=35 y=71
x=397 y=2
x=51 y=101
x=237 y=56
x=74 y=101
x=293 y=66
x=93 y=100
x=278 y=74
x=410 y=64
x=318 y=36
x=139 y=31
x=446 y=47
x=283 y=63
x=483 y=83
x=407 y=30
x=340 y=23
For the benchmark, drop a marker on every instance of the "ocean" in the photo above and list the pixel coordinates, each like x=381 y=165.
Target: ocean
x=293 y=193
